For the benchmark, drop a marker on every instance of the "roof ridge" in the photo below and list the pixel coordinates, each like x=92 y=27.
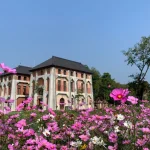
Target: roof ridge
x=67 y=59
x=23 y=66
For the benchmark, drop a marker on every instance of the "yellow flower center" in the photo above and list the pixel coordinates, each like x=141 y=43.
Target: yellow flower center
x=83 y=147
x=119 y=96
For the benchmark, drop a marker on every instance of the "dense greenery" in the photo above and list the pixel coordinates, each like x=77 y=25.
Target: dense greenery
x=103 y=84
x=139 y=56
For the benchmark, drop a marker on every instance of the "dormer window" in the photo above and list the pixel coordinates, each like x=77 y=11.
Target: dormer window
x=59 y=71
x=41 y=72
x=76 y=74
x=82 y=75
x=19 y=77
x=64 y=72
x=71 y=73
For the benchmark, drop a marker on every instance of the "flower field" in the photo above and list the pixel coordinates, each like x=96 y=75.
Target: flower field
x=122 y=127
x=118 y=128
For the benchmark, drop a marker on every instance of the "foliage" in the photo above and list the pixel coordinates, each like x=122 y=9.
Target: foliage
x=96 y=82
x=103 y=84
x=38 y=88
x=139 y=56
x=122 y=127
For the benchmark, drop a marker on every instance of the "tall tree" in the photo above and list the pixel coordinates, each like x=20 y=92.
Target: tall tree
x=139 y=56
x=96 y=82
x=107 y=84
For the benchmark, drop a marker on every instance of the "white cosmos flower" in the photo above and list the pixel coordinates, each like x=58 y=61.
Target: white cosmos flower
x=98 y=141
x=106 y=132
x=46 y=132
x=38 y=120
x=116 y=129
x=128 y=124
x=76 y=144
x=120 y=117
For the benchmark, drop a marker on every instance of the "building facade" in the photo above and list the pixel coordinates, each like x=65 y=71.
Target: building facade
x=59 y=83
x=15 y=86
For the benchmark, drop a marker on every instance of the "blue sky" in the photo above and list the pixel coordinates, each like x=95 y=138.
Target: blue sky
x=91 y=32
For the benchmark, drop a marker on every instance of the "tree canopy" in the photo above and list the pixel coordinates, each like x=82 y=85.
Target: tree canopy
x=139 y=56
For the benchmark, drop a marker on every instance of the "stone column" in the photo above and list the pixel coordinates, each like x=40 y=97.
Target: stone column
x=69 y=87
x=52 y=90
x=92 y=92
x=75 y=88
x=31 y=86
x=6 y=95
x=14 y=93
x=45 y=89
x=35 y=94
x=85 y=90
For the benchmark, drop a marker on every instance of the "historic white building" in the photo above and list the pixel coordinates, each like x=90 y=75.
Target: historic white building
x=57 y=82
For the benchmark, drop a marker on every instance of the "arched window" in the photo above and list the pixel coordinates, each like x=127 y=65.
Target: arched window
x=62 y=104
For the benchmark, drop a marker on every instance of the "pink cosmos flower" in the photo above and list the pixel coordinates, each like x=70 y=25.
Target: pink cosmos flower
x=43 y=104
x=21 y=123
x=51 y=111
x=30 y=141
x=126 y=142
x=77 y=126
x=132 y=99
x=113 y=147
x=20 y=107
x=119 y=95
x=11 y=136
x=45 y=117
x=45 y=144
x=146 y=148
x=27 y=101
x=2 y=65
x=28 y=132
x=33 y=114
x=28 y=108
x=84 y=137
x=10 y=101
x=7 y=108
x=1 y=73
x=63 y=148
x=113 y=137
x=53 y=127
x=141 y=142
x=57 y=137
x=13 y=71
x=11 y=147
x=7 y=69
x=145 y=130
x=14 y=116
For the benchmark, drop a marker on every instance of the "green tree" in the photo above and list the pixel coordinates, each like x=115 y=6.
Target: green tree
x=139 y=56
x=96 y=82
x=107 y=84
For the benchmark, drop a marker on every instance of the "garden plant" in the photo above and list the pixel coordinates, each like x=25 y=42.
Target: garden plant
x=125 y=126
